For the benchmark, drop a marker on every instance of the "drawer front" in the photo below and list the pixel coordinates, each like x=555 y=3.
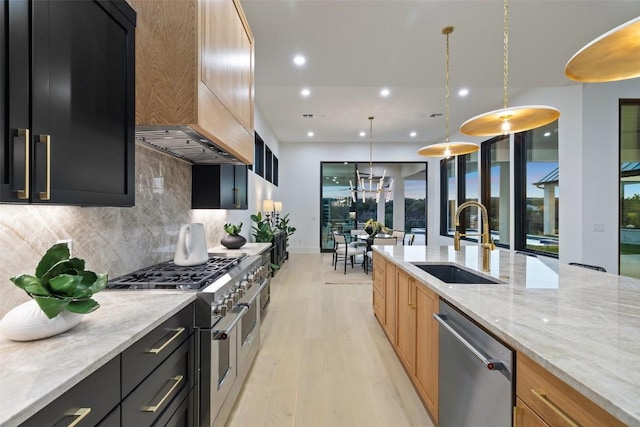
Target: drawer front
x=112 y=420
x=87 y=403
x=171 y=382
x=554 y=401
x=146 y=354
x=523 y=416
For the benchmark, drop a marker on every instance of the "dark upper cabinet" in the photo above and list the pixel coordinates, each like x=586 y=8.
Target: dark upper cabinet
x=219 y=186
x=68 y=107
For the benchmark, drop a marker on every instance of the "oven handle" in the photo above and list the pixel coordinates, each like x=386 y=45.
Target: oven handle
x=223 y=334
x=255 y=296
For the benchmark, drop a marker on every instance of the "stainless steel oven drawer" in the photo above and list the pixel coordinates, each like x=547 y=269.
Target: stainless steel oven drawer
x=163 y=390
x=145 y=355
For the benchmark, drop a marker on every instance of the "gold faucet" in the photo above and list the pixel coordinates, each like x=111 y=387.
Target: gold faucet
x=487 y=241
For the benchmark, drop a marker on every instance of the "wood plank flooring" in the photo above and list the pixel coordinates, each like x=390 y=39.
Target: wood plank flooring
x=324 y=359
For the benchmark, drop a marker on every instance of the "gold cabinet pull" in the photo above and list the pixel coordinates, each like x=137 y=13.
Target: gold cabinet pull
x=24 y=194
x=163 y=346
x=81 y=414
x=178 y=379
x=46 y=194
x=559 y=412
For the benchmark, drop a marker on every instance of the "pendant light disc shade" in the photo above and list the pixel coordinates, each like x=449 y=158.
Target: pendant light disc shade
x=613 y=56
x=520 y=119
x=455 y=149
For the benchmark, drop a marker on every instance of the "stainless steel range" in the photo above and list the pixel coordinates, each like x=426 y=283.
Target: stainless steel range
x=227 y=318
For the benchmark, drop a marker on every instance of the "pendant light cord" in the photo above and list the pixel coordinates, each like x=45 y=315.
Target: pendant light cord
x=506 y=52
x=447 y=31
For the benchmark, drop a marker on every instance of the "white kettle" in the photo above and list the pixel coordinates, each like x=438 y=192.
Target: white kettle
x=192 y=245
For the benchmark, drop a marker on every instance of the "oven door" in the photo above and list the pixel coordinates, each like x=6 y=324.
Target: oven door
x=218 y=362
x=249 y=331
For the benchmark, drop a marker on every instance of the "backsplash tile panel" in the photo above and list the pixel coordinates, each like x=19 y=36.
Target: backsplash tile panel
x=111 y=240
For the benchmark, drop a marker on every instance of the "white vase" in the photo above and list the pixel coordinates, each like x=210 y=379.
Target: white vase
x=27 y=322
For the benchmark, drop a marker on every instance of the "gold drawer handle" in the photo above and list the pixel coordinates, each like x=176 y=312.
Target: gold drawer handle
x=178 y=379
x=24 y=194
x=46 y=194
x=163 y=346
x=81 y=414
x=543 y=397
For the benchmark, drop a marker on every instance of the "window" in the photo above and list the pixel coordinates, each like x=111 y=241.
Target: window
x=274 y=179
x=268 y=164
x=468 y=186
x=629 y=188
x=496 y=188
x=258 y=156
x=537 y=190
x=448 y=189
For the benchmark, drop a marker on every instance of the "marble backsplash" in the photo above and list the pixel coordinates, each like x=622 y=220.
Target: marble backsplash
x=110 y=240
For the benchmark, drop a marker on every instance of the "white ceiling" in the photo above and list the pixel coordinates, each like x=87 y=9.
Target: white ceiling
x=355 y=48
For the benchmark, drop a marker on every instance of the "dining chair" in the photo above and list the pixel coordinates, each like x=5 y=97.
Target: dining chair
x=368 y=257
x=409 y=237
x=343 y=251
x=399 y=235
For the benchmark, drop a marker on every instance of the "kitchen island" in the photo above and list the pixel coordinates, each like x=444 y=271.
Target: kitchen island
x=582 y=326
x=35 y=373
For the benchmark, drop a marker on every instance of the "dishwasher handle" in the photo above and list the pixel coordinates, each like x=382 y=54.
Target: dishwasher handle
x=491 y=364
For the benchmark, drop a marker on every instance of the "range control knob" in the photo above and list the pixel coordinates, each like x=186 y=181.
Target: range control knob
x=220 y=310
x=240 y=292
x=244 y=285
x=229 y=303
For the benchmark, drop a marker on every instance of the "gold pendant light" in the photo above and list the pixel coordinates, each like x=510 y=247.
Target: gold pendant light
x=448 y=148
x=509 y=119
x=612 y=56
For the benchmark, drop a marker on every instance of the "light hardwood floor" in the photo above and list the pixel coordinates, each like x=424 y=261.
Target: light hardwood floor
x=324 y=359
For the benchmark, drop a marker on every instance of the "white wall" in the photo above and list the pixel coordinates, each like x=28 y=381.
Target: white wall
x=300 y=180
x=259 y=188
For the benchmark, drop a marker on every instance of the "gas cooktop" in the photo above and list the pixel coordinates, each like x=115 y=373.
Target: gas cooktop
x=168 y=275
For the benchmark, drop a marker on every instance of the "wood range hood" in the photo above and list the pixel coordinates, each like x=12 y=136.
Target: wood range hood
x=195 y=80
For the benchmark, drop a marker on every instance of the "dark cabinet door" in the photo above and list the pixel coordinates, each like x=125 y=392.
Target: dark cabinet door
x=219 y=187
x=81 y=101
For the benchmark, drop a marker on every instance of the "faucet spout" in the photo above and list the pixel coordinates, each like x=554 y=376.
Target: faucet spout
x=487 y=242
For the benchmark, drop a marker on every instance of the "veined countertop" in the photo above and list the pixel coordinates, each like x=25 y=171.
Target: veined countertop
x=247 y=248
x=34 y=373
x=581 y=325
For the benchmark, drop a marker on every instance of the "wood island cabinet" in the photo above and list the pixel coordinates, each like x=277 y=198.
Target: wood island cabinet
x=378 y=289
x=544 y=399
x=67 y=116
x=417 y=338
x=390 y=300
x=195 y=67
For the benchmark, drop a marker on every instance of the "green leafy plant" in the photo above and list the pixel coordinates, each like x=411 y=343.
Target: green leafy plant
x=233 y=229
x=283 y=224
x=61 y=283
x=373 y=227
x=261 y=231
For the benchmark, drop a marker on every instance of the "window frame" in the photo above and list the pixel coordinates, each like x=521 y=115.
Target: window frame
x=485 y=180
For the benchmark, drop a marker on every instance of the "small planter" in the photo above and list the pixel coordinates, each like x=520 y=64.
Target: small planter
x=233 y=241
x=27 y=322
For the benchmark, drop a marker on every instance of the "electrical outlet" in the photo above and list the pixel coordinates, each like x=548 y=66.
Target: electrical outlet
x=69 y=243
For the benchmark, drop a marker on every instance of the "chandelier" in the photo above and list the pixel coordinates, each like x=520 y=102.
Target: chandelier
x=509 y=119
x=447 y=148
x=375 y=188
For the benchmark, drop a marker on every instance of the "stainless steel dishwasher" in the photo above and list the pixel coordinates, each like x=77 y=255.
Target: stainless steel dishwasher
x=475 y=374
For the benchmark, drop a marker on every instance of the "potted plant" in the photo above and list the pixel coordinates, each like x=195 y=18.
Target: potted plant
x=262 y=231
x=61 y=292
x=373 y=227
x=283 y=224
x=233 y=240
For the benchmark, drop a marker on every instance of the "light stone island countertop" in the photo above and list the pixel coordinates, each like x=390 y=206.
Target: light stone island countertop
x=248 y=248
x=581 y=325
x=34 y=373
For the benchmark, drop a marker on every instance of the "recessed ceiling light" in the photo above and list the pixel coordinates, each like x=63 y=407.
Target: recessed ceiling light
x=299 y=60
x=362 y=134
x=385 y=92
x=309 y=133
x=413 y=134
x=547 y=134
x=305 y=92
x=463 y=92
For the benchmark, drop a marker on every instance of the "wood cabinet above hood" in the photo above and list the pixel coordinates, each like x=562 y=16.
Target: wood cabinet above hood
x=195 y=71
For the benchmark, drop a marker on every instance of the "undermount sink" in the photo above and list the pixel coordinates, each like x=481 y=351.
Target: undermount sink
x=449 y=273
